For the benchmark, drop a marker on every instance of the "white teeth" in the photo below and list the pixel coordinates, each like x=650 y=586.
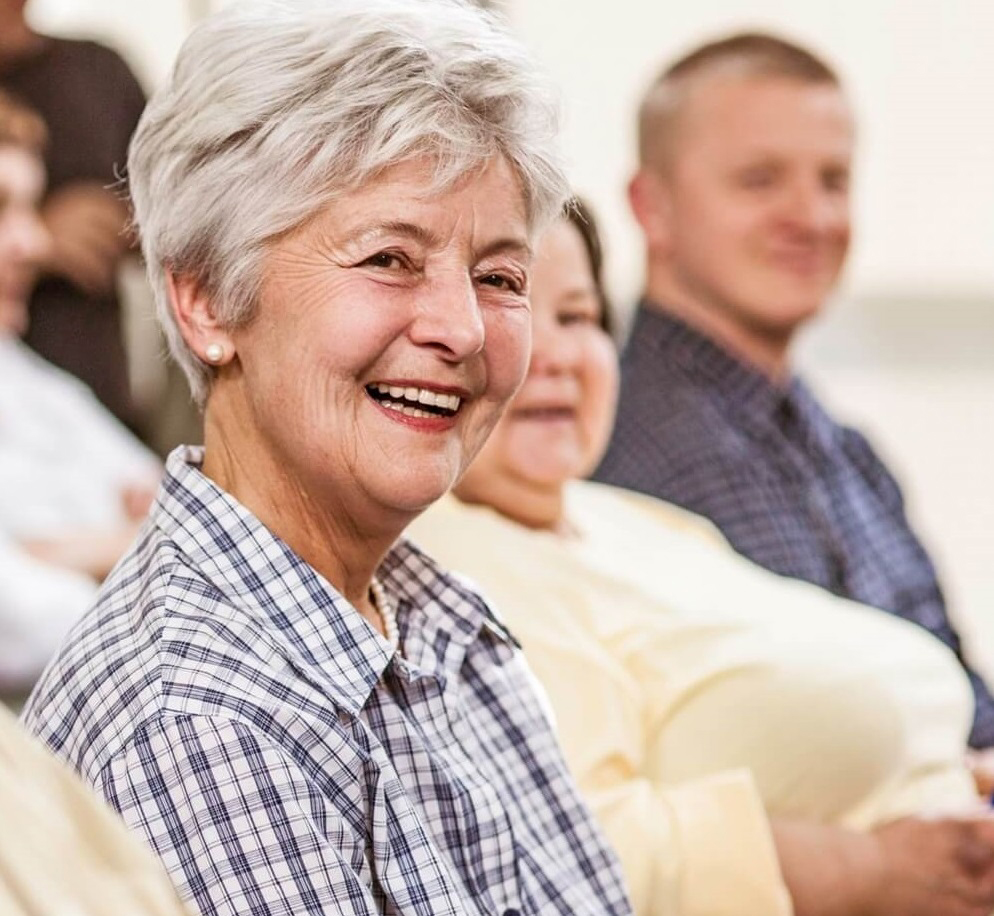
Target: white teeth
x=407 y=410
x=421 y=395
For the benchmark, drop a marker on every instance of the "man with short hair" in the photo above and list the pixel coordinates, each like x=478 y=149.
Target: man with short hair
x=743 y=197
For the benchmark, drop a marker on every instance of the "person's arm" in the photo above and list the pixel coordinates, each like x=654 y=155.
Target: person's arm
x=702 y=848
x=929 y=610
x=87 y=224
x=38 y=604
x=911 y=867
x=706 y=848
x=90 y=552
x=89 y=218
x=239 y=826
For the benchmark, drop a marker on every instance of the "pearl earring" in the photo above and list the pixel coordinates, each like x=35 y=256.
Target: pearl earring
x=214 y=353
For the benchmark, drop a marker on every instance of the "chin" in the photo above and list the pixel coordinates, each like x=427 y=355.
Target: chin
x=780 y=316
x=413 y=497
x=550 y=473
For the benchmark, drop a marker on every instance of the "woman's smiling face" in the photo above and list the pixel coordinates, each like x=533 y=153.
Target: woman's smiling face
x=391 y=331
x=557 y=426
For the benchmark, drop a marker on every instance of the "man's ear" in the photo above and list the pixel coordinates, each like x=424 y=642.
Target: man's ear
x=649 y=197
x=195 y=316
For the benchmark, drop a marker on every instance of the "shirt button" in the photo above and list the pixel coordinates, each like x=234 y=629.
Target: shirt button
x=512 y=912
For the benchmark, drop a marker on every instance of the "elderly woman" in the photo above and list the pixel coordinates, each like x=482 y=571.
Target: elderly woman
x=752 y=745
x=70 y=473
x=336 y=203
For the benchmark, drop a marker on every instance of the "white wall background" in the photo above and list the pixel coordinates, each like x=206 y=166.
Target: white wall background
x=909 y=349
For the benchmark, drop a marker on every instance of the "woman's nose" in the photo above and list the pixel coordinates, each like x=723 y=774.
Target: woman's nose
x=449 y=317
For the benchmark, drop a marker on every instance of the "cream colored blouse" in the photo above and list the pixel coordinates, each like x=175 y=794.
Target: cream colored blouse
x=62 y=851
x=694 y=689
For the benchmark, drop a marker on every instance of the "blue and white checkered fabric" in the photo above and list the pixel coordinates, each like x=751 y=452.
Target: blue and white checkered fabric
x=282 y=759
x=789 y=487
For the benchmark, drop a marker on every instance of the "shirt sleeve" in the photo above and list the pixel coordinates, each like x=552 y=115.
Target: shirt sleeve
x=702 y=848
x=236 y=822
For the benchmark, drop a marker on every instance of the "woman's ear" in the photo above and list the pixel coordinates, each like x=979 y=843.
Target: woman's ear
x=649 y=197
x=196 y=320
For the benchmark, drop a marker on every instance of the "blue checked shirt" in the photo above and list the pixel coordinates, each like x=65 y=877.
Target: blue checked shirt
x=282 y=759
x=790 y=488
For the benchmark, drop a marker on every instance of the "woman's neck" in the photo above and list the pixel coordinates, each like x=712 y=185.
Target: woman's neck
x=539 y=506
x=325 y=536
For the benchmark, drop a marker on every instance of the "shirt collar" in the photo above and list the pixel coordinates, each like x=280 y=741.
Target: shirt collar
x=313 y=624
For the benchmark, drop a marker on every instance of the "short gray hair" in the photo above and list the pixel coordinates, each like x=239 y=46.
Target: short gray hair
x=744 y=55
x=275 y=107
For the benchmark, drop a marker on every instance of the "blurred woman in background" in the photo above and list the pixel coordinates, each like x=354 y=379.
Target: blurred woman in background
x=751 y=744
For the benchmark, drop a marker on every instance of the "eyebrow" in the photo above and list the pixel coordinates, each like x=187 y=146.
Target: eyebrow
x=512 y=245
x=428 y=238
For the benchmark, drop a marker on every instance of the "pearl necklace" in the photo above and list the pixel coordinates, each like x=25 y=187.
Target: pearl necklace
x=378 y=595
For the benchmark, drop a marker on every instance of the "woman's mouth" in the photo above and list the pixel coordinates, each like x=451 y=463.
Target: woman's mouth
x=413 y=401
x=544 y=414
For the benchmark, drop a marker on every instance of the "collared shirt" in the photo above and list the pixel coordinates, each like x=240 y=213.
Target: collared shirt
x=283 y=759
x=791 y=488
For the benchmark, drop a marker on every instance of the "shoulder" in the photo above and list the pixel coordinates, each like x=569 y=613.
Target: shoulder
x=91 y=78
x=680 y=438
x=86 y=53
x=451 y=584
x=159 y=640
x=639 y=514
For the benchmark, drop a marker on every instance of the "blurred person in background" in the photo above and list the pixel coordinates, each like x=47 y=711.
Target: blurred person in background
x=752 y=744
x=73 y=480
x=743 y=197
x=337 y=203
x=90 y=102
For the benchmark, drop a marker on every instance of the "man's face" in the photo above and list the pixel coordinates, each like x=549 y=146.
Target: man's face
x=754 y=203
x=23 y=238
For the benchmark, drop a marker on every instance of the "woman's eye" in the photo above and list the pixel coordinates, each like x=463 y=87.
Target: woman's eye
x=502 y=281
x=383 y=259
x=570 y=318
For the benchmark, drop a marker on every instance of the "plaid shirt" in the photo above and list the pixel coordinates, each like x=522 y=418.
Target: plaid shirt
x=790 y=488
x=281 y=758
